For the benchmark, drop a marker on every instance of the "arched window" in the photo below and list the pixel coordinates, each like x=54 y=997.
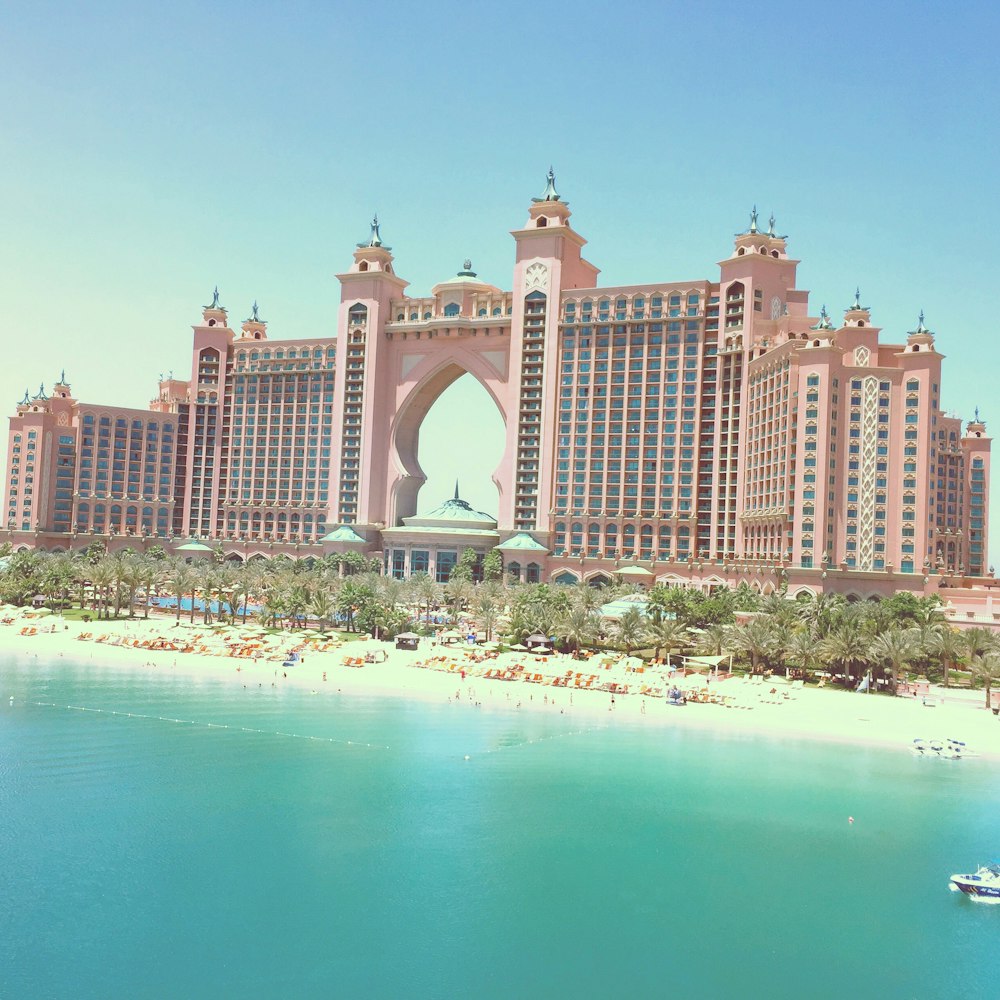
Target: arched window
x=611 y=540
x=452 y=309
x=514 y=570
x=532 y=573
x=593 y=537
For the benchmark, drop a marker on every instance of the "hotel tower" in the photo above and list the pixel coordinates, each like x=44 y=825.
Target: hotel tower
x=703 y=432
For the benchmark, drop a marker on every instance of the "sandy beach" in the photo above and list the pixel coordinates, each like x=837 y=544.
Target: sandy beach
x=434 y=673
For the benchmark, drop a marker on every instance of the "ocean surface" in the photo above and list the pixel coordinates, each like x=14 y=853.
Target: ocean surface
x=223 y=842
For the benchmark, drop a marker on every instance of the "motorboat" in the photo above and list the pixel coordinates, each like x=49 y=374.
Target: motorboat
x=984 y=884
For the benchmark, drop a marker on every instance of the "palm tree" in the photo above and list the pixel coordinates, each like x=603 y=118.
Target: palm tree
x=101 y=577
x=323 y=607
x=457 y=591
x=425 y=592
x=180 y=579
x=486 y=611
x=949 y=647
x=894 y=649
x=668 y=634
x=986 y=669
x=132 y=577
x=755 y=639
x=847 y=646
x=711 y=641
x=630 y=629
x=800 y=648
x=577 y=627
x=977 y=642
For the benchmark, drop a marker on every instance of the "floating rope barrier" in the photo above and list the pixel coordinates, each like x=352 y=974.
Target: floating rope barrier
x=212 y=725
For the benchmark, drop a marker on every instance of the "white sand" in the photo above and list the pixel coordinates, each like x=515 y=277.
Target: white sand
x=831 y=715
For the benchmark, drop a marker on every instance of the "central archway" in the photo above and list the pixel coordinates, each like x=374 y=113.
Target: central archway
x=461 y=439
x=429 y=380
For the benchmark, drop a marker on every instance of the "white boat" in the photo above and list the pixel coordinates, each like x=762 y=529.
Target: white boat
x=984 y=884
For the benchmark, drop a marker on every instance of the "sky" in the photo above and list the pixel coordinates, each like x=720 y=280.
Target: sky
x=151 y=152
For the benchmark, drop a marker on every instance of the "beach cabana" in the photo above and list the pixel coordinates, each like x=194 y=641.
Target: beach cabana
x=407 y=640
x=539 y=643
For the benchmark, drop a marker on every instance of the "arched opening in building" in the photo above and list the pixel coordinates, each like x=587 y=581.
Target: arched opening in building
x=461 y=438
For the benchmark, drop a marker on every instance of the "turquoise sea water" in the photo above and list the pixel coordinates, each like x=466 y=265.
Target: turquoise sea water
x=149 y=858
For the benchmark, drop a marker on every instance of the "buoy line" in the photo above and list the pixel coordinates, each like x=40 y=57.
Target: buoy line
x=212 y=725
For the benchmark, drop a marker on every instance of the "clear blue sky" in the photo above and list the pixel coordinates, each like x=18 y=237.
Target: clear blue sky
x=148 y=153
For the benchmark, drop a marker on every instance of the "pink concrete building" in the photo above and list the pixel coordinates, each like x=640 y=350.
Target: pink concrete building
x=703 y=431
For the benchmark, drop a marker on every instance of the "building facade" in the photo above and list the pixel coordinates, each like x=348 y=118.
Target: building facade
x=710 y=431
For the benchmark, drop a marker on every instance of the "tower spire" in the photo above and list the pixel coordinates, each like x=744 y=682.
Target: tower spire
x=375 y=239
x=550 y=193
x=456 y=489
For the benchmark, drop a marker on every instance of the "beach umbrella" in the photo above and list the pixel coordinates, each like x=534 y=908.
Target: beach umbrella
x=519 y=648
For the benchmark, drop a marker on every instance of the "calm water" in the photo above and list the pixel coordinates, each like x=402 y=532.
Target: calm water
x=148 y=858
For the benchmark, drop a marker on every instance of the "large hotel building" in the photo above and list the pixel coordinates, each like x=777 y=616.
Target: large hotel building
x=701 y=431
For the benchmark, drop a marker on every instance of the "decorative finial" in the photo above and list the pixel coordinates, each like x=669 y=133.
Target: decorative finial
x=977 y=415
x=824 y=320
x=857 y=298
x=770 y=225
x=467 y=264
x=41 y=391
x=753 y=220
x=26 y=400
x=215 y=299
x=456 y=489
x=550 y=193
x=375 y=239
x=254 y=311
x=62 y=377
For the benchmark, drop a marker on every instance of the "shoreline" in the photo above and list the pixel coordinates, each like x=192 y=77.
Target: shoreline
x=789 y=713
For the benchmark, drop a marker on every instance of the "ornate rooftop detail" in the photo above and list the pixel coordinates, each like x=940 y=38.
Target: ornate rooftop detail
x=856 y=304
x=216 y=304
x=466 y=271
x=253 y=317
x=27 y=399
x=550 y=193
x=375 y=240
x=456 y=509
x=824 y=321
